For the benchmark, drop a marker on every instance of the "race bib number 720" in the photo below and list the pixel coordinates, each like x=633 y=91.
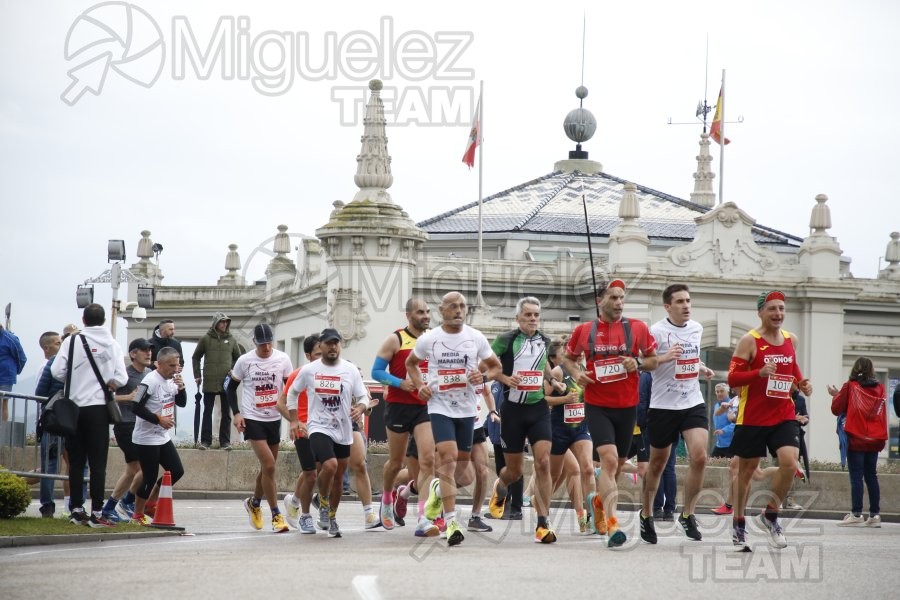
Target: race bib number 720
x=608 y=370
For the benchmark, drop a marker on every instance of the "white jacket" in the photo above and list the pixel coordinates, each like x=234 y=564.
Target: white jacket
x=86 y=390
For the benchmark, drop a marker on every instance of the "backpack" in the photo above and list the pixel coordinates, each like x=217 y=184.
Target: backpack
x=866 y=413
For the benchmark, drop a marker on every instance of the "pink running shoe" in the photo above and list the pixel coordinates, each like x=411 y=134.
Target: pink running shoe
x=400 y=503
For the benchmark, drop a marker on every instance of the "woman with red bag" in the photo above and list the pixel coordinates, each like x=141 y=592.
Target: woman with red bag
x=862 y=399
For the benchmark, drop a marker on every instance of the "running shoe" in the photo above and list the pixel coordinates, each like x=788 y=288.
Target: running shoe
x=584 y=523
x=79 y=517
x=440 y=524
x=739 y=539
x=497 y=504
x=454 y=533
x=425 y=528
x=125 y=510
x=142 y=520
x=333 y=530
x=723 y=510
x=97 y=521
x=150 y=509
x=776 y=534
x=544 y=535
x=278 y=524
x=873 y=521
x=433 y=504
x=598 y=515
x=111 y=515
x=616 y=536
x=648 y=531
x=255 y=514
x=387 y=516
x=849 y=520
x=799 y=474
x=526 y=500
x=399 y=521
x=689 y=525
x=476 y=524
x=291 y=512
x=791 y=504
x=315 y=500
x=371 y=521
x=324 y=519
x=400 y=503
x=306 y=524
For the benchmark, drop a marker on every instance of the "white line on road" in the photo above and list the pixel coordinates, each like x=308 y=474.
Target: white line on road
x=366 y=587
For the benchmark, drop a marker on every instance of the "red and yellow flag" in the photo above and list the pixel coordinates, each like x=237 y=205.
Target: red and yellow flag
x=715 y=130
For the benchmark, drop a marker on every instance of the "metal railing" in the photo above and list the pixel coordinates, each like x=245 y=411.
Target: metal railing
x=15 y=455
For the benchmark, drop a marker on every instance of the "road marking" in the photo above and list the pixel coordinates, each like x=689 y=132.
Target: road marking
x=366 y=587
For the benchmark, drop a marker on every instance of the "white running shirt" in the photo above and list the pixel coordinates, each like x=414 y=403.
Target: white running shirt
x=676 y=384
x=160 y=396
x=330 y=391
x=263 y=380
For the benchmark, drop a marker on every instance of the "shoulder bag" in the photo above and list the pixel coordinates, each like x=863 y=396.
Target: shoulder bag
x=60 y=415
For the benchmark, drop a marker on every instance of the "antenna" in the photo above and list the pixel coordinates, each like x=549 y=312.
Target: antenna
x=587 y=229
x=703 y=107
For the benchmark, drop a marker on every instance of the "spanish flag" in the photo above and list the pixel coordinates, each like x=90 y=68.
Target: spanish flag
x=474 y=137
x=715 y=130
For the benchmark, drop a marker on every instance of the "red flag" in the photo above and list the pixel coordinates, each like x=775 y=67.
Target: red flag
x=715 y=130
x=474 y=137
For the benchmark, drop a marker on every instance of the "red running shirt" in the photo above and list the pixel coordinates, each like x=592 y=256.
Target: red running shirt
x=767 y=400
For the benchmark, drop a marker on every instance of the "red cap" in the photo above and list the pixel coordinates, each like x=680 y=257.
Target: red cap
x=616 y=283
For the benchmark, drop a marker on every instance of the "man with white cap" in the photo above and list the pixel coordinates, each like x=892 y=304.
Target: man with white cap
x=264 y=371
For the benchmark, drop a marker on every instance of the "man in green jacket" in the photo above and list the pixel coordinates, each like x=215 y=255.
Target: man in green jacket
x=221 y=350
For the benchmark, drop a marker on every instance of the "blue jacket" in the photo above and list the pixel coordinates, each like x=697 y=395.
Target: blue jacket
x=727 y=427
x=47 y=386
x=12 y=357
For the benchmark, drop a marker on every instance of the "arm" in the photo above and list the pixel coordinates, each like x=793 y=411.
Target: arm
x=231 y=396
x=43 y=385
x=380 y=371
x=140 y=407
x=494 y=368
x=195 y=359
x=739 y=371
x=415 y=375
x=839 y=398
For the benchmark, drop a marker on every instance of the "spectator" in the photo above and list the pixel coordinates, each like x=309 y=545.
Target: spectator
x=724 y=415
x=12 y=361
x=164 y=337
x=219 y=350
x=47 y=386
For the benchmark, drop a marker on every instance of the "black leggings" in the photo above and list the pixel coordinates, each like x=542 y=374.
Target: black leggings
x=151 y=458
x=89 y=444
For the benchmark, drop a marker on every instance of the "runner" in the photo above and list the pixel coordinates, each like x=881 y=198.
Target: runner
x=336 y=397
x=765 y=368
x=404 y=414
x=613 y=347
x=453 y=352
x=264 y=371
x=486 y=411
x=676 y=407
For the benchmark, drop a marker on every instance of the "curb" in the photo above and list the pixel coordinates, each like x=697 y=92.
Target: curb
x=12 y=541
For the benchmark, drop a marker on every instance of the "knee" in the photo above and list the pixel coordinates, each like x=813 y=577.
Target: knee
x=329 y=467
x=177 y=474
x=698 y=460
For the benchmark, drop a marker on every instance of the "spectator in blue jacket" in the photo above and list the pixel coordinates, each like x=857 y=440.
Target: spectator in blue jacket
x=724 y=414
x=12 y=361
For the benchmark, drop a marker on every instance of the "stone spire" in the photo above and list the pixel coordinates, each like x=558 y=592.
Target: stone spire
x=145 y=267
x=628 y=242
x=703 y=179
x=232 y=265
x=281 y=269
x=820 y=253
x=892 y=257
x=373 y=170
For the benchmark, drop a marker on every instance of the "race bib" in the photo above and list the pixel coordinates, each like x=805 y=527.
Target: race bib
x=573 y=414
x=779 y=386
x=608 y=370
x=531 y=380
x=423 y=367
x=451 y=379
x=265 y=396
x=687 y=368
x=327 y=385
x=168 y=409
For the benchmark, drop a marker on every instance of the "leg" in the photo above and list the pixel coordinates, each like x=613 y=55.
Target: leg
x=746 y=468
x=49 y=464
x=224 y=423
x=855 y=466
x=97 y=451
x=265 y=480
x=870 y=473
x=337 y=486
x=445 y=470
x=670 y=483
x=573 y=482
x=543 y=484
x=209 y=403
x=784 y=477
x=148 y=457
x=424 y=438
x=479 y=461
x=358 y=469
x=695 y=441
x=606 y=482
x=658 y=459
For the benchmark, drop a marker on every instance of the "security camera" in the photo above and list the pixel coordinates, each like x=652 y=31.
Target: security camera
x=139 y=314
x=128 y=306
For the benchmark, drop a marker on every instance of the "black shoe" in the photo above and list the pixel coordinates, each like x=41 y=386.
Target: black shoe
x=476 y=524
x=668 y=516
x=689 y=524
x=648 y=531
x=659 y=515
x=399 y=521
x=513 y=515
x=79 y=517
x=47 y=511
x=315 y=501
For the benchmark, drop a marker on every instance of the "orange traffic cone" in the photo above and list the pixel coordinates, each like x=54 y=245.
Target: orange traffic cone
x=164 y=518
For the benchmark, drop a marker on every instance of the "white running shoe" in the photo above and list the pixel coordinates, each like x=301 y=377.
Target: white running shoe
x=291 y=512
x=851 y=520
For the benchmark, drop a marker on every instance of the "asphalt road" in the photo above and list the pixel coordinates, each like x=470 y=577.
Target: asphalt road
x=223 y=558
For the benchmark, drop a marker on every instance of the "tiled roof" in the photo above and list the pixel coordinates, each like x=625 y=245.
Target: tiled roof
x=552 y=205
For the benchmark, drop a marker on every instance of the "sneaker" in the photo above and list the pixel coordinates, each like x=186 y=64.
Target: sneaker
x=659 y=515
x=425 y=528
x=400 y=503
x=776 y=534
x=849 y=520
x=598 y=515
x=306 y=524
x=125 y=510
x=526 y=500
x=648 y=531
x=79 y=517
x=371 y=521
x=476 y=524
x=689 y=525
x=333 y=530
x=315 y=501
x=873 y=521
x=454 y=534
x=584 y=527
x=433 y=504
x=398 y=521
x=142 y=520
x=278 y=524
x=544 y=535
x=799 y=474
x=291 y=512
x=497 y=504
x=47 y=511
x=150 y=509
x=226 y=447
x=668 y=516
x=440 y=524
x=324 y=519
x=387 y=516
x=202 y=446
x=739 y=539
x=616 y=536
x=791 y=504
x=98 y=522
x=111 y=515
x=255 y=514
x=723 y=510
x=512 y=515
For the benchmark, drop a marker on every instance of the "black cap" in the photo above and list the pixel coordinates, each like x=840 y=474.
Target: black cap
x=139 y=344
x=330 y=335
x=263 y=334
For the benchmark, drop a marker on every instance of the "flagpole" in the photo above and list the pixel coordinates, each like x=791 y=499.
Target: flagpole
x=479 y=299
x=722 y=138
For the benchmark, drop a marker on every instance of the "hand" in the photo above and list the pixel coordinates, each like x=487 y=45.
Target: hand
x=239 y=424
x=675 y=351
x=197 y=380
x=513 y=381
x=475 y=377
x=584 y=379
x=707 y=372
x=557 y=385
x=424 y=392
x=166 y=422
x=832 y=390
x=767 y=369
x=805 y=387
x=356 y=411
x=407 y=385
x=630 y=364
x=717 y=432
x=298 y=430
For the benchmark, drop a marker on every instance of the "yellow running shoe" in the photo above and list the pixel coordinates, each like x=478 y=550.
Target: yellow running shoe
x=433 y=504
x=544 y=535
x=584 y=527
x=255 y=514
x=598 y=515
x=142 y=520
x=454 y=533
x=497 y=504
x=278 y=524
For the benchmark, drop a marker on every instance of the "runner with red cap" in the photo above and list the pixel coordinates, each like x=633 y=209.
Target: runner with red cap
x=765 y=368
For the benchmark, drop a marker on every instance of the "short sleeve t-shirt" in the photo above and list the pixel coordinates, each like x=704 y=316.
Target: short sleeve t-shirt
x=302 y=402
x=676 y=384
x=331 y=390
x=134 y=378
x=451 y=357
x=529 y=357
x=160 y=400
x=263 y=380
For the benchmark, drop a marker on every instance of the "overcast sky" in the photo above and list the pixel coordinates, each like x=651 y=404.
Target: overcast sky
x=211 y=159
